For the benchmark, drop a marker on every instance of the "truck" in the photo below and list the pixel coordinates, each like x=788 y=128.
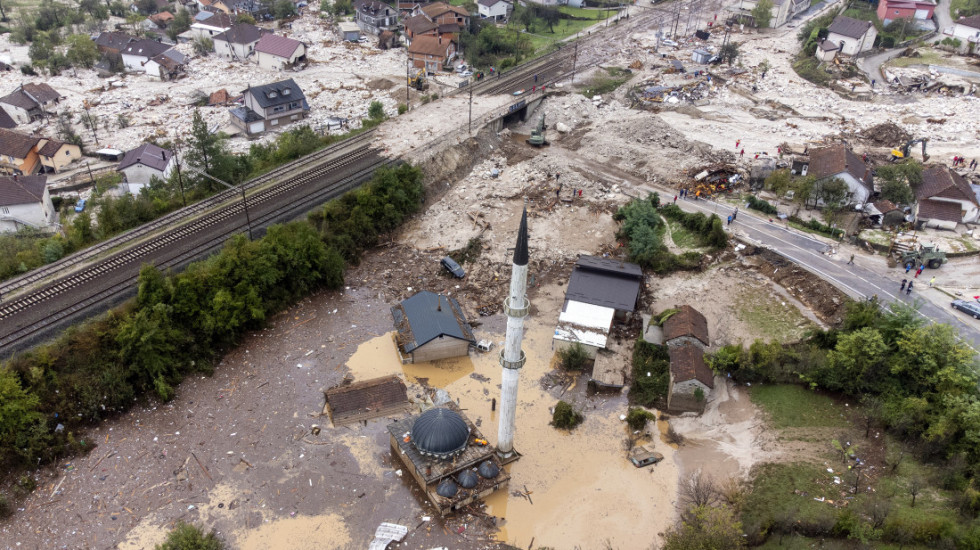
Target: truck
x=928 y=255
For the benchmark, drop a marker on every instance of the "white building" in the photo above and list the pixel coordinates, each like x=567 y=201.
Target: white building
x=497 y=10
x=827 y=50
x=278 y=52
x=851 y=35
x=967 y=28
x=141 y=164
x=208 y=25
x=25 y=202
x=136 y=54
x=238 y=42
x=837 y=161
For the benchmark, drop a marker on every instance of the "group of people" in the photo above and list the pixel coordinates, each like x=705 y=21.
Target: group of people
x=959 y=161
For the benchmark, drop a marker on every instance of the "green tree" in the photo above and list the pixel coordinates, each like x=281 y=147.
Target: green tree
x=203 y=45
x=82 y=51
x=18 y=415
x=204 y=148
x=245 y=18
x=832 y=192
x=180 y=24
x=729 y=53
x=376 y=111
x=704 y=528
x=762 y=12
x=41 y=50
x=779 y=182
x=341 y=7
x=565 y=416
x=284 y=9
x=135 y=20
x=146 y=7
x=191 y=537
x=898 y=192
x=855 y=364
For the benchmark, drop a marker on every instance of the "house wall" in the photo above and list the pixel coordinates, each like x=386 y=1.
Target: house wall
x=199 y=30
x=496 y=11
x=40 y=214
x=20 y=116
x=966 y=33
x=681 y=396
x=276 y=63
x=969 y=210
x=233 y=51
x=134 y=62
x=558 y=345
x=443 y=347
x=859 y=193
x=275 y=123
x=854 y=46
x=824 y=55
x=65 y=156
x=140 y=173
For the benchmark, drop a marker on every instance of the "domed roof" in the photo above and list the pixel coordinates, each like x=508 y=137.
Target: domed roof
x=468 y=479
x=440 y=432
x=488 y=469
x=447 y=488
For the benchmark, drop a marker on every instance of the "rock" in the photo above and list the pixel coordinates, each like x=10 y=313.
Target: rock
x=562 y=128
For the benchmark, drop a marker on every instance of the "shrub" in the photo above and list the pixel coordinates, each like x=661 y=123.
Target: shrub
x=651 y=374
x=28 y=70
x=191 y=537
x=402 y=108
x=6 y=509
x=888 y=42
x=816 y=225
x=762 y=206
x=376 y=111
x=573 y=357
x=637 y=418
x=566 y=417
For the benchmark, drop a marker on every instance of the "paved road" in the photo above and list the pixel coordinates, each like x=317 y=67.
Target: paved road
x=943 y=19
x=871 y=65
x=858 y=282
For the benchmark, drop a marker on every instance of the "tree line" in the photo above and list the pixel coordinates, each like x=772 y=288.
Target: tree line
x=180 y=323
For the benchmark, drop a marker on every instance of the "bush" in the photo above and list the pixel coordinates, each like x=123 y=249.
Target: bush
x=756 y=203
x=565 y=417
x=28 y=70
x=6 y=509
x=573 y=357
x=888 y=42
x=191 y=537
x=816 y=225
x=651 y=375
x=637 y=418
x=402 y=108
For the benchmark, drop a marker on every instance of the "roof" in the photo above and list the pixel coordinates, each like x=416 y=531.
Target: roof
x=418 y=24
x=166 y=62
x=218 y=20
x=940 y=210
x=242 y=33
x=973 y=21
x=426 y=316
x=114 y=40
x=145 y=48
x=6 y=121
x=374 y=395
x=828 y=46
x=489 y=3
x=584 y=323
x=276 y=93
x=908 y=4
x=605 y=282
x=162 y=18
x=16 y=144
x=22 y=189
x=827 y=162
x=42 y=92
x=428 y=45
x=687 y=363
x=440 y=432
x=348 y=26
x=277 y=45
x=884 y=206
x=939 y=181
x=520 y=250
x=436 y=9
x=687 y=322
x=31 y=96
x=51 y=148
x=245 y=114
x=847 y=26
x=148 y=155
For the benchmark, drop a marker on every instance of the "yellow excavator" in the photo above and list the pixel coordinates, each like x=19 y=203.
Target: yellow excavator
x=418 y=80
x=904 y=151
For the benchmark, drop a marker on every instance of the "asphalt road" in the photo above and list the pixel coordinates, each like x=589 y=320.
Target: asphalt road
x=857 y=281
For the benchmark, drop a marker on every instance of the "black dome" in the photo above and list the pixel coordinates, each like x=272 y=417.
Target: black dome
x=488 y=469
x=441 y=433
x=467 y=479
x=447 y=488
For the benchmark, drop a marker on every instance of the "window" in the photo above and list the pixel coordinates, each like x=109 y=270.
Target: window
x=5 y=210
x=279 y=109
x=275 y=122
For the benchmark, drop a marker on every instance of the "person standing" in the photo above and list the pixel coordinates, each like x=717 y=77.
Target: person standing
x=918 y=272
x=737 y=142
x=735 y=214
x=729 y=220
x=932 y=281
x=908 y=290
x=742 y=154
x=904 y=282
x=851 y=261
x=675 y=199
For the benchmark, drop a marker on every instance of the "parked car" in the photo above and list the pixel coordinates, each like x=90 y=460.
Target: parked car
x=451 y=266
x=466 y=73
x=970 y=308
x=80 y=205
x=668 y=42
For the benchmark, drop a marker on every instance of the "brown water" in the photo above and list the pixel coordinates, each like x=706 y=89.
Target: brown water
x=582 y=487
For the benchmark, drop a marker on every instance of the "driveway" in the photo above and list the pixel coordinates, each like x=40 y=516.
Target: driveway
x=871 y=65
x=856 y=281
x=943 y=19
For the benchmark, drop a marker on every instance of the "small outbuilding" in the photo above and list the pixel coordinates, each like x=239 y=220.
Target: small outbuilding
x=374 y=398
x=430 y=326
x=349 y=32
x=686 y=327
x=690 y=379
x=700 y=56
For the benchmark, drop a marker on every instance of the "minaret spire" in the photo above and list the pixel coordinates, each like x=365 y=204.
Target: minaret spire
x=512 y=358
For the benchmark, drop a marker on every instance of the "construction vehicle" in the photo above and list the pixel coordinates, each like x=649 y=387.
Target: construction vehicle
x=537 y=134
x=418 y=80
x=928 y=255
x=903 y=152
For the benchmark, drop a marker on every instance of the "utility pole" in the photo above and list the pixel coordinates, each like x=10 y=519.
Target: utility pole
x=470 y=129
x=248 y=219
x=408 y=81
x=180 y=177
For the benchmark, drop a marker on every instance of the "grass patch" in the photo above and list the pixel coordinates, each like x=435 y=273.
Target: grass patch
x=926 y=57
x=782 y=500
x=770 y=318
x=963 y=8
x=792 y=406
x=808 y=67
x=875 y=236
x=864 y=14
x=543 y=38
x=682 y=237
x=605 y=84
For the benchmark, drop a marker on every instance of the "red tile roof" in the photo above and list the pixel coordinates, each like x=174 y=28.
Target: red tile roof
x=279 y=46
x=973 y=21
x=429 y=45
x=21 y=189
x=939 y=181
x=940 y=210
x=687 y=363
x=827 y=162
x=16 y=144
x=51 y=148
x=686 y=322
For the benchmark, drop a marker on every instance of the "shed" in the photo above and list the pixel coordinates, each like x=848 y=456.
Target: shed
x=608 y=372
x=349 y=31
x=605 y=282
x=585 y=324
x=429 y=327
x=374 y=398
x=700 y=56
x=687 y=326
x=110 y=154
x=690 y=379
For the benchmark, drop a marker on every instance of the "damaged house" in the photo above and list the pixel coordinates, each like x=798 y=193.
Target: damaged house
x=29 y=102
x=686 y=336
x=277 y=53
x=945 y=199
x=838 y=161
x=373 y=16
x=270 y=106
x=238 y=42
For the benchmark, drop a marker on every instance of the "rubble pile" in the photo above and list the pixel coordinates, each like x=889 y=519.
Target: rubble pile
x=886 y=134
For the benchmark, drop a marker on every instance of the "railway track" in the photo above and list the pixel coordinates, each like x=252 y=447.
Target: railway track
x=72 y=261
x=177 y=247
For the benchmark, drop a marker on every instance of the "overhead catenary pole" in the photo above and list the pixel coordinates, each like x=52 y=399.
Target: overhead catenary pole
x=248 y=219
x=470 y=128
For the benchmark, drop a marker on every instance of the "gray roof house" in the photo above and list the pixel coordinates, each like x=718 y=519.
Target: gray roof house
x=238 y=42
x=852 y=35
x=269 y=107
x=429 y=327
